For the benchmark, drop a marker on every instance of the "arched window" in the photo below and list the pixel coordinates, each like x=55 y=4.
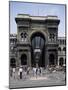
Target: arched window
x=61 y=60
x=23 y=59
x=23 y=36
x=64 y=48
x=52 y=36
x=51 y=59
x=59 y=49
x=12 y=62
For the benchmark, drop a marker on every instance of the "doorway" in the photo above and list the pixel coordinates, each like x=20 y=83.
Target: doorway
x=23 y=59
x=38 y=50
x=51 y=59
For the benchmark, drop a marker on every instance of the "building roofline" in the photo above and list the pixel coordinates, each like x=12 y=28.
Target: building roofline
x=61 y=37
x=28 y=16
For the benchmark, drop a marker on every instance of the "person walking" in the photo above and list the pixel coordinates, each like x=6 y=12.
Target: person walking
x=11 y=72
x=28 y=69
x=14 y=73
x=25 y=74
x=20 y=71
x=39 y=71
x=36 y=72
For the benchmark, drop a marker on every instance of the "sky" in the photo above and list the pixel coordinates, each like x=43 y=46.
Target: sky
x=37 y=9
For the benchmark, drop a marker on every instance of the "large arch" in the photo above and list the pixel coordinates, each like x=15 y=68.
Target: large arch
x=23 y=59
x=38 y=49
x=38 y=31
x=13 y=62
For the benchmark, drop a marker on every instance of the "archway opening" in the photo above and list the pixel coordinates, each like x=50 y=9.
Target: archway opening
x=12 y=62
x=51 y=59
x=59 y=49
x=61 y=60
x=38 y=49
x=23 y=59
x=64 y=48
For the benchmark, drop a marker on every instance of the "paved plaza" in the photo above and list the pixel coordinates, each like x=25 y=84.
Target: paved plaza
x=46 y=79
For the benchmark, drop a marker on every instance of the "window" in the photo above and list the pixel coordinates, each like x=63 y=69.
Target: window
x=23 y=59
x=21 y=35
x=59 y=49
x=12 y=62
x=51 y=59
x=24 y=36
x=63 y=41
x=61 y=60
x=64 y=48
x=52 y=36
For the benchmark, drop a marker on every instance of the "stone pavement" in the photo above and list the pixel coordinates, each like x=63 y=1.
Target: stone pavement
x=48 y=79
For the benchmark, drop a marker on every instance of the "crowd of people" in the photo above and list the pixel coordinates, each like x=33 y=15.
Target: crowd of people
x=29 y=72
x=24 y=72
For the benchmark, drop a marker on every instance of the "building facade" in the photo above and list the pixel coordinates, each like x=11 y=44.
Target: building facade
x=36 y=43
x=62 y=51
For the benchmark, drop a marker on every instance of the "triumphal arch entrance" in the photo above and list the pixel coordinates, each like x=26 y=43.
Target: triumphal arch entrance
x=37 y=40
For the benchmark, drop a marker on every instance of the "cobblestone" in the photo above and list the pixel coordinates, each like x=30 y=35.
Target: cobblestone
x=48 y=79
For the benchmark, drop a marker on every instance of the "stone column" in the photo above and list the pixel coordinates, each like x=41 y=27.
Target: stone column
x=29 y=58
x=46 y=58
x=18 y=59
x=58 y=62
x=56 y=57
x=64 y=61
